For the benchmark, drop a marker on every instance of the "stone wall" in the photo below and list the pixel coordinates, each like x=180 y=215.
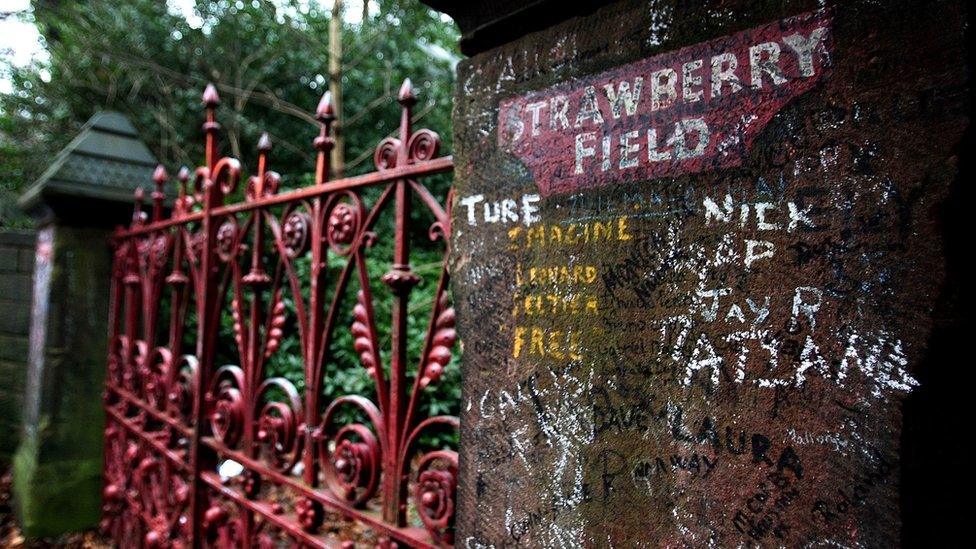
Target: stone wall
x=16 y=266
x=58 y=465
x=707 y=267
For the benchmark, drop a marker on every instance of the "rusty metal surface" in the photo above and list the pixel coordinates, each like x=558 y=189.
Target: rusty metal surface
x=716 y=358
x=203 y=454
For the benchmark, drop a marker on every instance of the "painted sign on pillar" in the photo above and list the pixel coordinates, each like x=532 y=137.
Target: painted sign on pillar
x=695 y=109
x=693 y=270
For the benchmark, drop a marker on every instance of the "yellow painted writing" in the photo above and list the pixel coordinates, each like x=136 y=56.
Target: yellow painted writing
x=569 y=234
x=552 y=304
x=546 y=343
x=562 y=274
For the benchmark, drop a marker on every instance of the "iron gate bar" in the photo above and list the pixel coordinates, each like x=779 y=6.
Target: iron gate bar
x=172 y=417
x=443 y=164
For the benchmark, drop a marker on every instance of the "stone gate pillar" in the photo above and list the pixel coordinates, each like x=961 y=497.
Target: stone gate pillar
x=16 y=267
x=85 y=192
x=707 y=262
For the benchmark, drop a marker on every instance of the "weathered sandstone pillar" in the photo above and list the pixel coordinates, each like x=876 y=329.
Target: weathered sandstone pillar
x=86 y=191
x=708 y=265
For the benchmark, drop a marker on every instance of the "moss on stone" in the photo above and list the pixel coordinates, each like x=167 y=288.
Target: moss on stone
x=57 y=468
x=61 y=496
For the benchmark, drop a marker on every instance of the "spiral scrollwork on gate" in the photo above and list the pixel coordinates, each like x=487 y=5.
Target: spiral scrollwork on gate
x=226 y=174
x=351 y=455
x=278 y=417
x=262 y=187
x=440 y=229
x=434 y=494
x=182 y=387
x=199 y=185
x=435 y=480
x=226 y=405
x=385 y=157
x=423 y=145
x=155 y=375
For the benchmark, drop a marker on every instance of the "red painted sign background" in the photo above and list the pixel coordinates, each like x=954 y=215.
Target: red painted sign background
x=691 y=110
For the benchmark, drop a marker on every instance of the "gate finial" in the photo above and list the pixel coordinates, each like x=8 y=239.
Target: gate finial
x=264 y=143
x=183 y=201
x=210 y=96
x=325 y=112
x=407 y=99
x=260 y=182
x=323 y=143
x=158 y=196
x=210 y=100
x=407 y=96
x=138 y=217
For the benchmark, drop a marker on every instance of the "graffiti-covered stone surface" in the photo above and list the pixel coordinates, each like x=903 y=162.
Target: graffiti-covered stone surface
x=701 y=109
x=699 y=251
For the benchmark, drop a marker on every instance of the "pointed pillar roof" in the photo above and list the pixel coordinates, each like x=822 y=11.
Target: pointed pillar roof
x=105 y=163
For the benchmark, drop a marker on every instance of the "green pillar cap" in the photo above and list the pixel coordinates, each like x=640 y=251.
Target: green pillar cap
x=99 y=168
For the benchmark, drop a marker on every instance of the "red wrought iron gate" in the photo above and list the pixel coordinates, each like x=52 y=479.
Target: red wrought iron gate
x=202 y=454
